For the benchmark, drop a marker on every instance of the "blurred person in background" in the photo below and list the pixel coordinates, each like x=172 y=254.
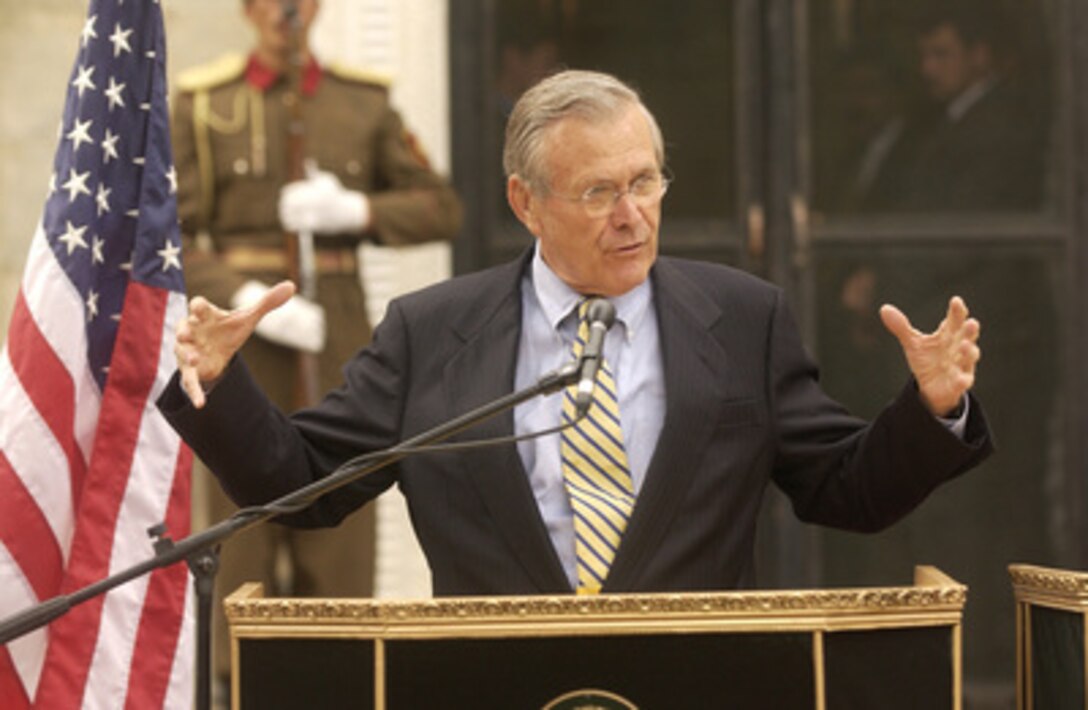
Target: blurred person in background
x=240 y=191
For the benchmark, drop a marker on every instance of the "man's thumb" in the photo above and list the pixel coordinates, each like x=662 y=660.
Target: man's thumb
x=896 y=322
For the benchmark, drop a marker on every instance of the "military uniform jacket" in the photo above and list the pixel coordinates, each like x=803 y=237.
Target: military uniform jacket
x=231 y=154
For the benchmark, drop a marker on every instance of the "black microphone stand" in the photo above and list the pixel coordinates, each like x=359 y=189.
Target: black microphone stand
x=200 y=550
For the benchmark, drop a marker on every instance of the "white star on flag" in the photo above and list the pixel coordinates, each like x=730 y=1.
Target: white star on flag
x=77 y=184
x=92 y=305
x=120 y=40
x=83 y=81
x=109 y=147
x=170 y=256
x=113 y=93
x=73 y=238
x=88 y=30
x=80 y=134
x=102 y=199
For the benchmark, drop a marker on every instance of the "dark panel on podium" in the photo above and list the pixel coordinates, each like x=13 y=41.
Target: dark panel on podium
x=291 y=673
x=1057 y=643
x=753 y=670
x=890 y=669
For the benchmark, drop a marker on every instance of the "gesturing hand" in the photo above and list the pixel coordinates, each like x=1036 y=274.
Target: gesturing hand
x=209 y=337
x=943 y=362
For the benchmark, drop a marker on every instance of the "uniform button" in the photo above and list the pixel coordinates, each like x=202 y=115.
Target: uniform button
x=354 y=167
x=288 y=99
x=241 y=166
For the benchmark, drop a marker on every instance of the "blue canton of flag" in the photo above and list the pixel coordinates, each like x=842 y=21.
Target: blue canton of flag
x=111 y=214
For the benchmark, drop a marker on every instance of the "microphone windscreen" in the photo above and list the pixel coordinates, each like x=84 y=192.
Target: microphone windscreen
x=601 y=310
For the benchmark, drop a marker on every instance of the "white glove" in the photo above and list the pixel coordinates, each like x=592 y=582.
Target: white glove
x=299 y=323
x=321 y=204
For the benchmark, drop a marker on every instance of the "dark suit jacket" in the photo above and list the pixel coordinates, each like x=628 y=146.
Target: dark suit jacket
x=744 y=409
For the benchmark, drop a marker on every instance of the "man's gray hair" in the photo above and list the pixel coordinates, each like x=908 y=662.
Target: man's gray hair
x=592 y=96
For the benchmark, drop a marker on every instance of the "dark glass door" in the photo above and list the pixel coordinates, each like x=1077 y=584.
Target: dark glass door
x=934 y=150
x=857 y=152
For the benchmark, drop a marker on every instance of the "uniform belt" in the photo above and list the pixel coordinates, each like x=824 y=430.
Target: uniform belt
x=252 y=258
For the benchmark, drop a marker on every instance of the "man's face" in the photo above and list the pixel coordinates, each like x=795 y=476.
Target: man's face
x=608 y=255
x=271 y=26
x=949 y=65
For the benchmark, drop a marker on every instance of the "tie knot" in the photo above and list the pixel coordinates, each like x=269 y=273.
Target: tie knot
x=583 y=310
x=581 y=332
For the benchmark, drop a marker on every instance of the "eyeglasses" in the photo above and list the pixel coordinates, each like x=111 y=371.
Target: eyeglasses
x=599 y=200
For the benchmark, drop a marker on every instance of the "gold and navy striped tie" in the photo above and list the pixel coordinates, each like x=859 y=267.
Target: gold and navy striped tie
x=595 y=472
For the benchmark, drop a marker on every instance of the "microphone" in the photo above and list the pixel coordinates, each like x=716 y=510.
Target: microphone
x=600 y=316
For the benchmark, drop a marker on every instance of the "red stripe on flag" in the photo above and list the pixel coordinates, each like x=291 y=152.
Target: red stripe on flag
x=132 y=374
x=27 y=535
x=12 y=694
x=49 y=386
x=164 y=605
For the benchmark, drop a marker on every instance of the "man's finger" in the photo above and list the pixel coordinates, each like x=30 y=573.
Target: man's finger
x=971 y=329
x=897 y=323
x=183 y=332
x=273 y=298
x=190 y=383
x=957 y=313
x=199 y=308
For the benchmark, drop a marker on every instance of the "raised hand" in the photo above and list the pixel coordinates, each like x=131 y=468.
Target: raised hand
x=943 y=362
x=209 y=336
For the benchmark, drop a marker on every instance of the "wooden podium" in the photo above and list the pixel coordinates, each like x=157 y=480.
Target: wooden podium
x=1051 y=638
x=888 y=647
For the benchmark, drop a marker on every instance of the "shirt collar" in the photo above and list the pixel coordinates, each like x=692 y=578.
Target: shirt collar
x=969 y=97
x=558 y=300
x=262 y=77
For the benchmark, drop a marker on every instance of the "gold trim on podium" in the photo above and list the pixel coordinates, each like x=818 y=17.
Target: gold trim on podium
x=934 y=600
x=1059 y=589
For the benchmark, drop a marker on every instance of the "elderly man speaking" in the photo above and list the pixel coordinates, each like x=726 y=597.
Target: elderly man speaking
x=704 y=394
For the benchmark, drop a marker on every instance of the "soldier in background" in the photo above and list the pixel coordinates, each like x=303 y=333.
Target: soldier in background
x=366 y=179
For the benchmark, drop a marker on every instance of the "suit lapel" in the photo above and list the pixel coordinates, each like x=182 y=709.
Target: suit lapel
x=692 y=361
x=482 y=371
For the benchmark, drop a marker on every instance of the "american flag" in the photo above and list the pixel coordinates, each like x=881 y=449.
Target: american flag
x=87 y=464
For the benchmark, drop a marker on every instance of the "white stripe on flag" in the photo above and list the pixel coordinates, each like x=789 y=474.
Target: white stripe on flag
x=58 y=311
x=31 y=448
x=27 y=652
x=179 y=693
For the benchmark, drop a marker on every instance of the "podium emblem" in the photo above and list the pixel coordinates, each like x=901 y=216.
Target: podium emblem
x=590 y=699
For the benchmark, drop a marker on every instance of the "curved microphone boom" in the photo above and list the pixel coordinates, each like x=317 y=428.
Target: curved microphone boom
x=600 y=315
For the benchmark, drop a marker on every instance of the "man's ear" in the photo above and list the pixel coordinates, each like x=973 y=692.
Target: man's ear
x=523 y=202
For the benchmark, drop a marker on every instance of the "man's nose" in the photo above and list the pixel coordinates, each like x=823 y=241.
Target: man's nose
x=624 y=210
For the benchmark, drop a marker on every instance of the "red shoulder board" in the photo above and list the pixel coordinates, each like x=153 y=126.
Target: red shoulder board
x=412 y=143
